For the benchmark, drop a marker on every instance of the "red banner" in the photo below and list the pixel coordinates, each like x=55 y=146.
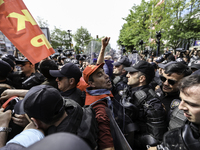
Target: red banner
x=18 y=25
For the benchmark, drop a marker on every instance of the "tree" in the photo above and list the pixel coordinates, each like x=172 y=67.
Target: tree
x=178 y=21
x=82 y=37
x=60 y=38
x=137 y=26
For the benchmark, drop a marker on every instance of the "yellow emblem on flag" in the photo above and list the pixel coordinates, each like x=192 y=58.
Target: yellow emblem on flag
x=1 y=2
x=22 y=18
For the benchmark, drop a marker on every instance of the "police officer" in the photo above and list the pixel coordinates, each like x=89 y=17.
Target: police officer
x=119 y=83
x=144 y=114
x=120 y=79
x=28 y=76
x=169 y=92
x=187 y=136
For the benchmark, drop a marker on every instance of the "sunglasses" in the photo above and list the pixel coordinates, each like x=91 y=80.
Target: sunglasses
x=170 y=81
x=24 y=64
x=60 y=78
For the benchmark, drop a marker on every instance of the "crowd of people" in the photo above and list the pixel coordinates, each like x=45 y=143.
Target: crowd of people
x=154 y=102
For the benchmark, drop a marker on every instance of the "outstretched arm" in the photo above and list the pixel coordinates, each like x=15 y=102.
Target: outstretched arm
x=104 y=43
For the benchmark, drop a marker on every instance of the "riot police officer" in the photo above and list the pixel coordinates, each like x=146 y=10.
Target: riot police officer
x=144 y=115
x=120 y=79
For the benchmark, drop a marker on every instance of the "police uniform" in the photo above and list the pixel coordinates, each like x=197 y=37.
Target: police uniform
x=144 y=117
x=186 y=137
x=119 y=83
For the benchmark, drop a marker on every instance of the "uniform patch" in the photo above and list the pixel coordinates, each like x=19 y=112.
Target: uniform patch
x=175 y=103
x=120 y=92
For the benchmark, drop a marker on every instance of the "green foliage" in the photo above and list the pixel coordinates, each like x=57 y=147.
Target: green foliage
x=178 y=21
x=82 y=37
x=60 y=38
x=137 y=25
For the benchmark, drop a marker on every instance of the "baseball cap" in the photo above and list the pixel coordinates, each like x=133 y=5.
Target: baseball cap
x=163 y=65
x=42 y=102
x=9 y=61
x=143 y=67
x=123 y=61
x=20 y=61
x=195 y=64
x=160 y=59
x=69 y=70
x=89 y=70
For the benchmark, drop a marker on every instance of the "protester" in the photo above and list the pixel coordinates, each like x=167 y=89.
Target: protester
x=98 y=95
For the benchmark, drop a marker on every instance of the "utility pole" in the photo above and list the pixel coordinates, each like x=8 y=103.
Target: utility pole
x=69 y=38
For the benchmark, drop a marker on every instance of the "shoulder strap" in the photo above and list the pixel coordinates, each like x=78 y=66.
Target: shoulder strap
x=116 y=80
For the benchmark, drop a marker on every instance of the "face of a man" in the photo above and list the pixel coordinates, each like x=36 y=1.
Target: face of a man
x=170 y=82
x=190 y=104
x=26 y=67
x=117 y=70
x=133 y=79
x=101 y=80
x=63 y=83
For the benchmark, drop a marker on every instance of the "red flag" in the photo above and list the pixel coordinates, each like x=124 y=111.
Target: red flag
x=18 y=25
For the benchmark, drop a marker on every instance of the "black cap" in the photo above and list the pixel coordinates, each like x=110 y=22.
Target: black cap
x=69 y=70
x=160 y=59
x=163 y=65
x=9 y=61
x=197 y=72
x=63 y=57
x=5 y=69
x=123 y=61
x=42 y=102
x=195 y=64
x=180 y=60
x=10 y=57
x=143 y=67
x=20 y=61
x=67 y=60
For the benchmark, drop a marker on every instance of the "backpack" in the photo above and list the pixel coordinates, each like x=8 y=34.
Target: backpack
x=82 y=122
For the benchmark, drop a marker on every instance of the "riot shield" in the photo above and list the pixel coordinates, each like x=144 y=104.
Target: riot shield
x=120 y=142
